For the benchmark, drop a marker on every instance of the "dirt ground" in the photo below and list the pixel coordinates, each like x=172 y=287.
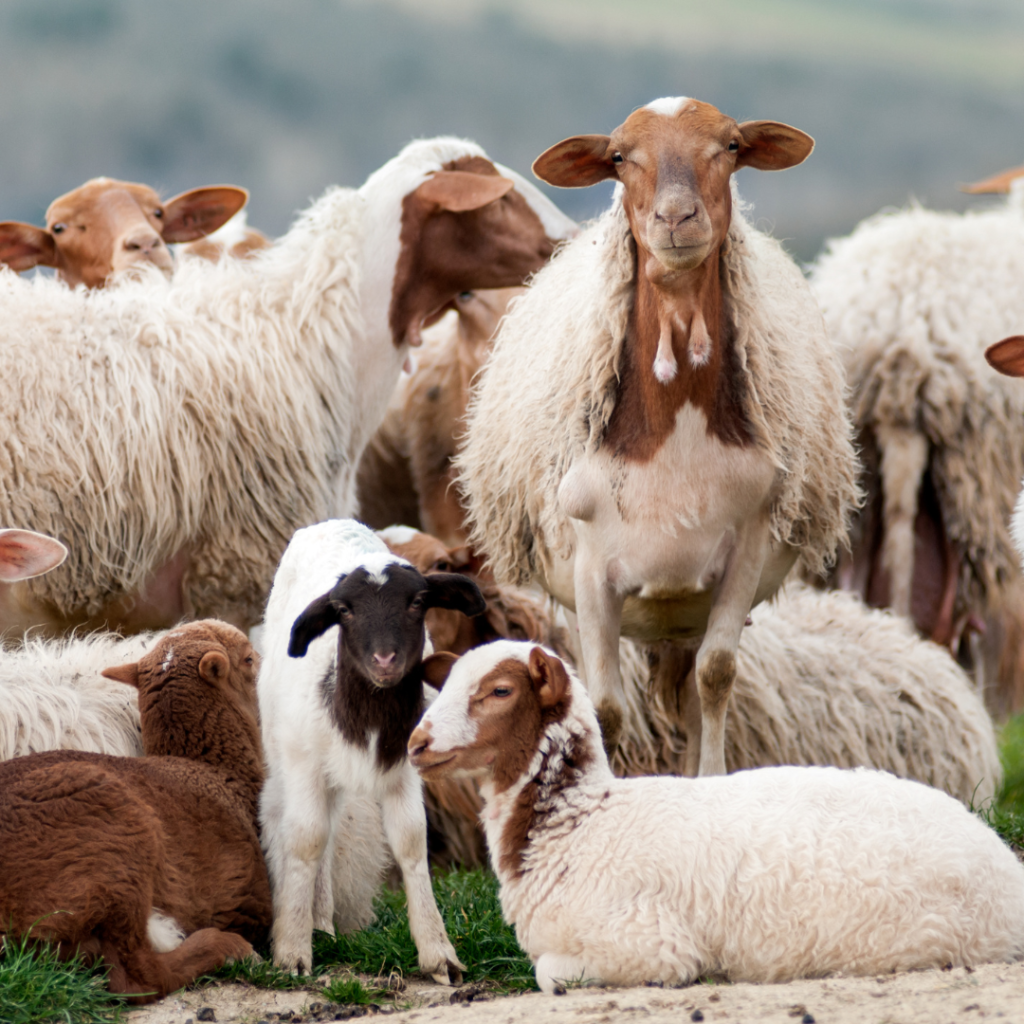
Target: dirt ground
x=922 y=997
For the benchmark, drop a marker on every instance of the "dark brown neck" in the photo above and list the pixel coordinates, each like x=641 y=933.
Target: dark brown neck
x=678 y=326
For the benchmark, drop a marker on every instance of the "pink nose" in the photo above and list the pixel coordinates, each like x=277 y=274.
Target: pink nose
x=384 y=661
x=143 y=242
x=419 y=741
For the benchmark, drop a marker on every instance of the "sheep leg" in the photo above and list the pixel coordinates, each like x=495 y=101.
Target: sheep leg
x=599 y=612
x=295 y=833
x=405 y=824
x=716 y=658
x=692 y=720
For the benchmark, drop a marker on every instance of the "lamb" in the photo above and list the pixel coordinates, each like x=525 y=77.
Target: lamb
x=763 y=876
x=178 y=432
x=406 y=474
x=335 y=726
x=659 y=433
x=105 y=227
x=151 y=865
x=911 y=299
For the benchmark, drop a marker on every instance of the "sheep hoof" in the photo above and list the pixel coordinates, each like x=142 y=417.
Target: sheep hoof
x=609 y=718
x=450 y=973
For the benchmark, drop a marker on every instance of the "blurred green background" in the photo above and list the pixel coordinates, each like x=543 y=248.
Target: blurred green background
x=905 y=98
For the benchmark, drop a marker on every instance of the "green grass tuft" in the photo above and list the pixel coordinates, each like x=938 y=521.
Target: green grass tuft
x=1011 y=752
x=36 y=987
x=259 y=973
x=351 y=990
x=468 y=901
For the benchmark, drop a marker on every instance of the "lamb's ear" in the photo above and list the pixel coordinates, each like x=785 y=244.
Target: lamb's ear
x=25 y=553
x=549 y=677
x=214 y=666
x=460 y=191
x=577 y=162
x=998 y=183
x=1007 y=356
x=24 y=246
x=318 y=617
x=123 y=674
x=200 y=212
x=453 y=590
x=772 y=146
x=437 y=667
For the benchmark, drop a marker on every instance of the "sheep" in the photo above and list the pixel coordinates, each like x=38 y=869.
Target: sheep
x=151 y=865
x=911 y=298
x=335 y=726
x=659 y=432
x=235 y=239
x=175 y=433
x=105 y=227
x=763 y=876
x=406 y=473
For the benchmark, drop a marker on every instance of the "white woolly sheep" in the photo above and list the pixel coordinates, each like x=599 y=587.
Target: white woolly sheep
x=175 y=433
x=105 y=227
x=911 y=300
x=335 y=727
x=763 y=876
x=659 y=432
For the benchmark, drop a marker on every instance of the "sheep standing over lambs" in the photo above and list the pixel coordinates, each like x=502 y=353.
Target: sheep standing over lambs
x=175 y=433
x=150 y=864
x=911 y=300
x=764 y=876
x=335 y=725
x=659 y=433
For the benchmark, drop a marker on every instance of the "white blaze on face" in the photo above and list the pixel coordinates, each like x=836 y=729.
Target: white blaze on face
x=670 y=106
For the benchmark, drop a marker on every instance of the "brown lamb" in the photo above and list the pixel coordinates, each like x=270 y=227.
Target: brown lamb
x=119 y=857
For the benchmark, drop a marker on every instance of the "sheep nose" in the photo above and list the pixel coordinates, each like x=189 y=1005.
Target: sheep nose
x=384 y=661
x=419 y=743
x=674 y=214
x=143 y=242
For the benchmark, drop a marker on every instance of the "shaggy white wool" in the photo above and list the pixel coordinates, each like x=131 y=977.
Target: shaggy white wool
x=548 y=390
x=823 y=680
x=52 y=696
x=912 y=299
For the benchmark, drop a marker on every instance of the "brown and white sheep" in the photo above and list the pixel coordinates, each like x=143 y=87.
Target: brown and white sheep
x=151 y=865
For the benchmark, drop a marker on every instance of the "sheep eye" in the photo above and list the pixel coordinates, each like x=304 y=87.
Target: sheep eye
x=58 y=229
x=416 y=603
x=465 y=296
x=734 y=146
x=248 y=660
x=616 y=158
x=344 y=612
x=441 y=566
x=502 y=691
x=158 y=213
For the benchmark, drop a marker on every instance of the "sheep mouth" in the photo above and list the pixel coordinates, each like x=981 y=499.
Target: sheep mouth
x=427 y=768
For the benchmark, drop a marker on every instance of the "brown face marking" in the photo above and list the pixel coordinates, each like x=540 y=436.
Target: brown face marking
x=445 y=252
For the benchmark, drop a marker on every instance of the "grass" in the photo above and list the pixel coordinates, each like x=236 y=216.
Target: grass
x=1006 y=813
x=38 y=988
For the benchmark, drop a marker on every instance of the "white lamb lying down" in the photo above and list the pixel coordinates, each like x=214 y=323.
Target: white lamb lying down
x=765 y=875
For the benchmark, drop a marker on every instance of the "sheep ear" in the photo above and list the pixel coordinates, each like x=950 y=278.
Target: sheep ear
x=550 y=680
x=772 y=146
x=1007 y=356
x=455 y=591
x=318 y=617
x=123 y=674
x=200 y=212
x=460 y=191
x=437 y=667
x=24 y=246
x=998 y=183
x=24 y=554
x=577 y=162
x=214 y=666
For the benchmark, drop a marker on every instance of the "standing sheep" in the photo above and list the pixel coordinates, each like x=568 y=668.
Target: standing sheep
x=659 y=433
x=762 y=876
x=911 y=299
x=175 y=433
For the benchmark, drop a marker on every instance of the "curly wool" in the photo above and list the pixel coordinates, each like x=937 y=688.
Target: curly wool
x=547 y=393
x=911 y=300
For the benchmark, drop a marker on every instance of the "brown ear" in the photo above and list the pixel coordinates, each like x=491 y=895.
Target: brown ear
x=1007 y=356
x=459 y=191
x=197 y=213
x=772 y=146
x=214 y=666
x=437 y=667
x=24 y=554
x=998 y=183
x=460 y=557
x=24 y=246
x=550 y=679
x=577 y=162
x=123 y=674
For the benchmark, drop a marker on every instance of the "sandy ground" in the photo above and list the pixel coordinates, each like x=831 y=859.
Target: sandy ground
x=928 y=997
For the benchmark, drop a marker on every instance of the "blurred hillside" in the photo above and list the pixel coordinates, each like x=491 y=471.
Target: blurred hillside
x=904 y=97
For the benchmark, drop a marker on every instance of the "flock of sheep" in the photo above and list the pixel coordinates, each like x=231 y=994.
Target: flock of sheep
x=626 y=458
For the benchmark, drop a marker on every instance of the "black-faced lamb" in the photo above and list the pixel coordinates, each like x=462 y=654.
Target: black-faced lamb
x=765 y=875
x=150 y=864
x=337 y=712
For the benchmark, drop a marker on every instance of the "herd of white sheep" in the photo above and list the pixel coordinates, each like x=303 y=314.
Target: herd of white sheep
x=640 y=451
